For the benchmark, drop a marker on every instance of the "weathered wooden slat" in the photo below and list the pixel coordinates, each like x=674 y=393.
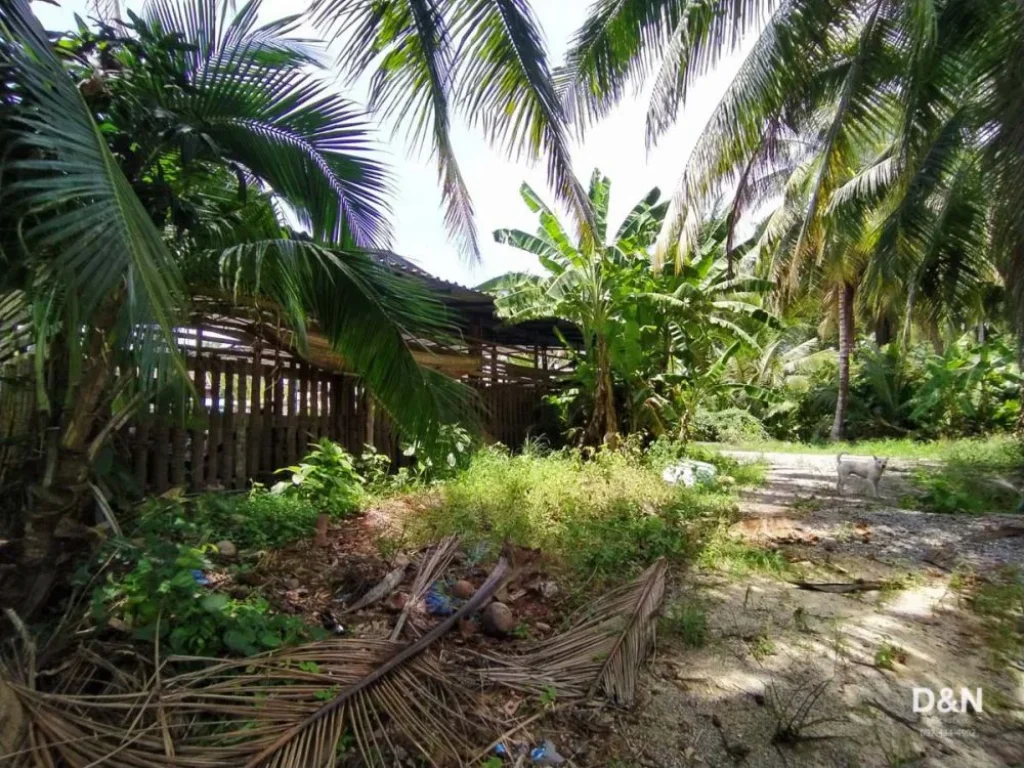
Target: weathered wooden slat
x=201 y=421
x=142 y=451
x=338 y=412
x=292 y=443
x=314 y=405
x=228 y=440
x=161 y=449
x=279 y=418
x=179 y=442
x=302 y=412
x=213 y=454
x=255 y=432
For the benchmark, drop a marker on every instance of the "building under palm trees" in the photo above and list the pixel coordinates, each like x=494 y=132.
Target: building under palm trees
x=259 y=402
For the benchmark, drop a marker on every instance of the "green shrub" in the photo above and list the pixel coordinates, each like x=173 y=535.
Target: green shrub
x=732 y=425
x=967 y=389
x=976 y=478
x=688 y=621
x=155 y=589
x=326 y=477
x=448 y=453
x=256 y=520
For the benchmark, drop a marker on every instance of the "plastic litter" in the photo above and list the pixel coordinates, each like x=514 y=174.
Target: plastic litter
x=546 y=754
x=689 y=473
x=200 y=577
x=501 y=750
x=438 y=602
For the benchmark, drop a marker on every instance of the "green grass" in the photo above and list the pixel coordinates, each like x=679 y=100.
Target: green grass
x=999 y=601
x=888 y=655
x=722 y=552
x=687 y=621
x=976 y=479
x=607 y=517
x=978 y=476
x=993 y=449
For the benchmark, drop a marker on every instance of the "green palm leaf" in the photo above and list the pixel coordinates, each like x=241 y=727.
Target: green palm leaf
x=73 y=201
x=411 y=44
x=505 y=85
x=283 y=125
x=368 y=314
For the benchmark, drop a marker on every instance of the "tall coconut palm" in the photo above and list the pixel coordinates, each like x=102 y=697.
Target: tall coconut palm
x=148 y=163
x=925 y=82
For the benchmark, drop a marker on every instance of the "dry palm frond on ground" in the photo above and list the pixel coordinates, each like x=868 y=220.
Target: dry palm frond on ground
x=318 y=704
x=603 y=650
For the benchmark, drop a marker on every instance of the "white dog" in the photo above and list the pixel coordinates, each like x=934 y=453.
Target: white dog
x=869 y=470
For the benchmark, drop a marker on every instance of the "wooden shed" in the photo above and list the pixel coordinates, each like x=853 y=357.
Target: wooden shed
x=262 y=403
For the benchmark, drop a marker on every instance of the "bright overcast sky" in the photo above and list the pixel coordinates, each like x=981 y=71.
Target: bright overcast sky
x=616 y=146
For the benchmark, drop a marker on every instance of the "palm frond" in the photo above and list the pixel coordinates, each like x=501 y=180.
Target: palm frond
x=604 y=649
x=504 y=84
x=431 y=566
x=369 y=314
x=290 y=708
x=64 y=188
x=282 y=124
x=618 y=45
x=412 y=84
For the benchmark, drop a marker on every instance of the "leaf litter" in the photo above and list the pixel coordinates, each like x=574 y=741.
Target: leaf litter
x=398 y=686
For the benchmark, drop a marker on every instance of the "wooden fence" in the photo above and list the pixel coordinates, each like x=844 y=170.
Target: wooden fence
x=254 y=418
x=258 y=411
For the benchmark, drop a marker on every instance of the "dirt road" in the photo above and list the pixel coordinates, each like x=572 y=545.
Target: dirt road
x=791 y=677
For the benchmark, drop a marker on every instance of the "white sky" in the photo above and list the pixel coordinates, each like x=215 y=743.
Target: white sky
x=616 y=146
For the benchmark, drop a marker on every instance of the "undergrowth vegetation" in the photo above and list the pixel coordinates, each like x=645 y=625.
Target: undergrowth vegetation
x=602 y=517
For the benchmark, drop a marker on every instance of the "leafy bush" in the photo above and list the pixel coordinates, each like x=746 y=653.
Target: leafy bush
x=976 y=478
x=257 y=520
x=968 y=389
x=326 y=477
x=449 y=452
x=733 y=425
x=155 y=590
x=374 y=467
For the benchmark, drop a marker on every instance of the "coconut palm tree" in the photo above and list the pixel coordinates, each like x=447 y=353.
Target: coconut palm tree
x=151 y=162
x=934 y=86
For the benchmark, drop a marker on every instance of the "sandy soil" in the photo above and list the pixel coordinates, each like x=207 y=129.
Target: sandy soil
x=780 y=656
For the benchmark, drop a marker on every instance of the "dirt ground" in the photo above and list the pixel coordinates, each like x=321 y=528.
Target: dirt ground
x=788 y=676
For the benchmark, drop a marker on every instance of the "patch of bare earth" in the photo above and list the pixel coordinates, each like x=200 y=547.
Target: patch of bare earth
x=796 y=677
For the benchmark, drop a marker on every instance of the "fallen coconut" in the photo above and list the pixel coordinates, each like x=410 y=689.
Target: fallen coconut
x=226 y=549
x=497 y=620
x=463 y=589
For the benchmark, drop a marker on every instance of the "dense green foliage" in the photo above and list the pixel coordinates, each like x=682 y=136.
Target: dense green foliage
x=154 y=591
x=326 y=478
x=152 y=583
x=655 y=343
x=969 y=388
x=883 y=137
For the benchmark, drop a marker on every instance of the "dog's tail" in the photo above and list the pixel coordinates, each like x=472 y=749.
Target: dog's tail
x=839 y=459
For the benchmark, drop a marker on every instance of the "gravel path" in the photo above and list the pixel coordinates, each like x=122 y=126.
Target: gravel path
x=802 y=488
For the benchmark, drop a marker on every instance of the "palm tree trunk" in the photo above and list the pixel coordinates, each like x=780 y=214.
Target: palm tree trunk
x=59 y=501
x=908 y=318
x=846 y=330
